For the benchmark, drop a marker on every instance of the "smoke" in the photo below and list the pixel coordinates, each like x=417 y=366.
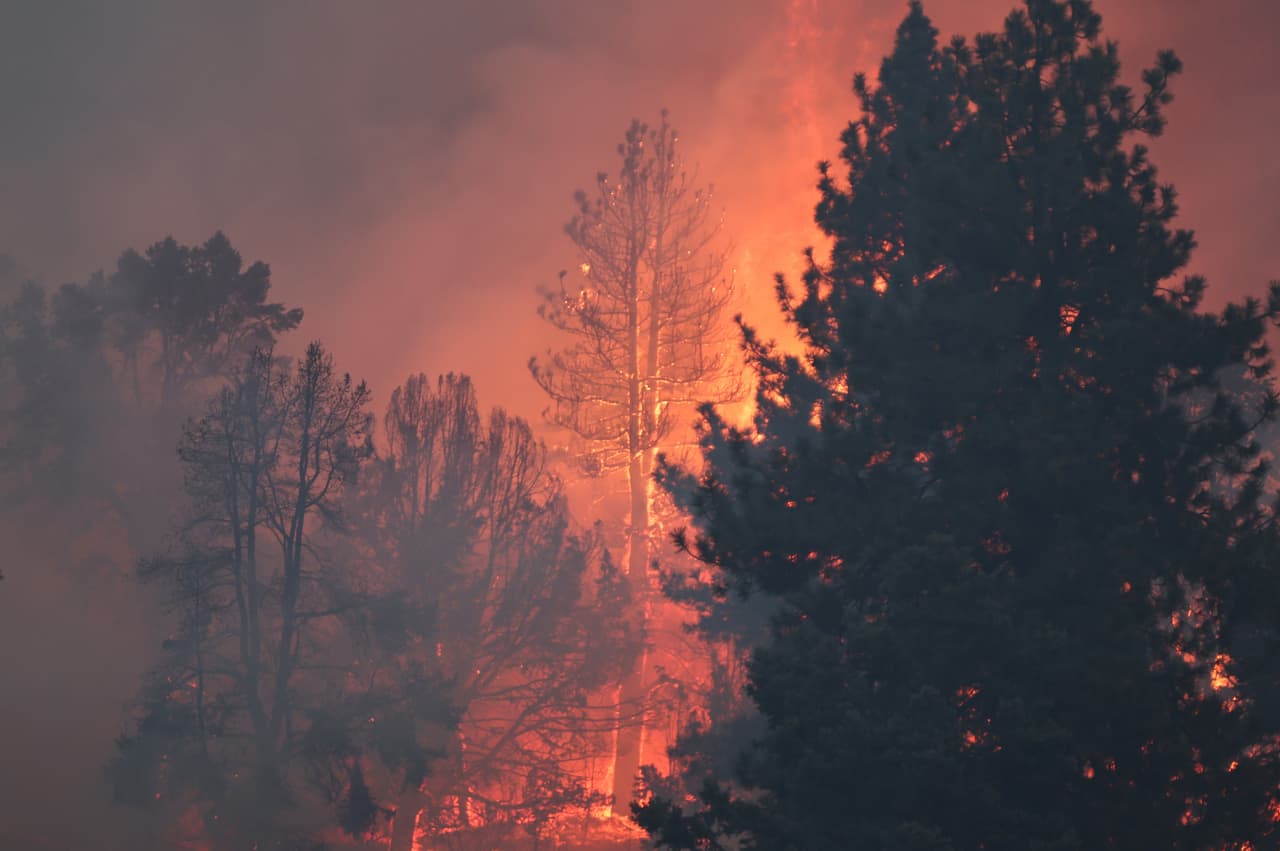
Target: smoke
x=407 y=167
x=73 y=647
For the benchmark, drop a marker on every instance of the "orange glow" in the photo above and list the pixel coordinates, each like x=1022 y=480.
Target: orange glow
x=1194 y=813
x=977 y=732
x=1068 y=315
x=879 y=458
x=1220 y=678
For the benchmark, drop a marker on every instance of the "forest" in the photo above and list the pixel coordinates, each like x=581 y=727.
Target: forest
x=967 y=541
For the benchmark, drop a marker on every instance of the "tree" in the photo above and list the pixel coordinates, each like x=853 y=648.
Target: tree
x=99 y=375
x=253 y=686
x=1012 y=609
x=59 y=380
x=648 y=342
x=88 y=476
x=196 y=309
x=466 y=520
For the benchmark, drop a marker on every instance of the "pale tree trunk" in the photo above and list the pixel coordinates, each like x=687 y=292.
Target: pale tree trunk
x=405 y=823
x=648 y=224
x=632 y=693
x=644 y=400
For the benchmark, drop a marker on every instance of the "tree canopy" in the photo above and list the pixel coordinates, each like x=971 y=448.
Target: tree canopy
x=96 y=377
x=529 y=618
x=1013 y=521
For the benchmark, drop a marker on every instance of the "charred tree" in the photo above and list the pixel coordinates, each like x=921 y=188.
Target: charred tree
x=647 y=326
x=466 y=520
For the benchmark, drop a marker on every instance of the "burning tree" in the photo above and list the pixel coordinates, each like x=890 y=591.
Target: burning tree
x=1015 y=606
x=528 y=618
x=254 y=684
x=648 y=330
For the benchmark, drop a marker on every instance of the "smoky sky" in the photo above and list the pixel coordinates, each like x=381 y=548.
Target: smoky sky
x=406 y=168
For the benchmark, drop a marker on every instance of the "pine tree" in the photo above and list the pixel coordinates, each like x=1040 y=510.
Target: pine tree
x=1013 y=521
x=241 y=703
x=528 y=618
x=647 y=343
x=96 y=377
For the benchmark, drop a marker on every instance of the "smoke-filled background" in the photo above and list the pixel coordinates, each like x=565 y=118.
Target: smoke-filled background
x=407 y=168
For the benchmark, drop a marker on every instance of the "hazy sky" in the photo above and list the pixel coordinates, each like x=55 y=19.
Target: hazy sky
x=406 y=167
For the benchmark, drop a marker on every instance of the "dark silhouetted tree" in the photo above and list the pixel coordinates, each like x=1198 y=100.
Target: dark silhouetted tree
x=258 y=681
x=182 y=315
x=1012 y=610
x=61 y=402
x=648 y=331
x=98 y=376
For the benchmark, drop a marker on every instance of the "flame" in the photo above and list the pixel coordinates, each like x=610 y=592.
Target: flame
x=1220 y=678
x=1067 y=316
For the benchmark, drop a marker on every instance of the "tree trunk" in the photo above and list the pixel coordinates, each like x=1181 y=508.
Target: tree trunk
x=632 y=694
x=405 y=823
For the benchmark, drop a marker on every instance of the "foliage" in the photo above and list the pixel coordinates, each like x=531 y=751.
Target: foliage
x=261 y=686
x=1012 y=610
x=531 y=619
x=98 y=376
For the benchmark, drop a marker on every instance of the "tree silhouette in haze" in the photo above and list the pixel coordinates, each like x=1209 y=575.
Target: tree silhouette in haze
x=89 y=479
x=1015 y=606
x=253 y=688
x=528 y=617
x=98 y=376
x=190 y=313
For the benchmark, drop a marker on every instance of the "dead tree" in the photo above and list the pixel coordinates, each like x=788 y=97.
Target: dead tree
x=649 y=342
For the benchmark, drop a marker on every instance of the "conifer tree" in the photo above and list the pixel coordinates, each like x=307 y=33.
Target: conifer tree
x=1015 y=605
x=253 y=687
x=647 y=343
x=522 y=616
